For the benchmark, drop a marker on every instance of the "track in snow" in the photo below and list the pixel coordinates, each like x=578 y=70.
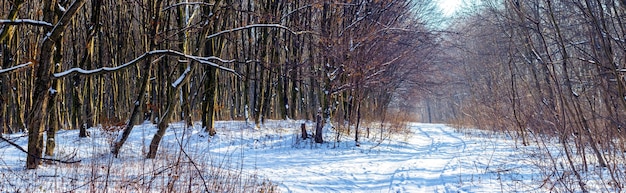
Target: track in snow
x=425 y=169
x=432 y=159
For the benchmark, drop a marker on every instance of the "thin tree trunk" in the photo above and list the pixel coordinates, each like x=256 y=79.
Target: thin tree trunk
x=183 y=19
x=358 y=123
x=164 y=120
x=210 y=102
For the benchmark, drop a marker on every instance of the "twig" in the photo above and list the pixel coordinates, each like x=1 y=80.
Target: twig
x=85 y=184
x=204 y=182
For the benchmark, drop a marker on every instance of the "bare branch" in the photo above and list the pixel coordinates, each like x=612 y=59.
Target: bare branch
x=2 y=71
x=201 y=60
x=296 y=10
x=258 y=26
x=25 y=22
x=186 y=3
x=182 y=77
x=61 y=25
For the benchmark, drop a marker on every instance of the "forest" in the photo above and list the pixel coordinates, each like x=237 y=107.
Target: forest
x=76 y=64
x=536 y=70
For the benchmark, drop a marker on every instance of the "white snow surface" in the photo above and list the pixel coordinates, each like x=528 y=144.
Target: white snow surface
x=430 y=158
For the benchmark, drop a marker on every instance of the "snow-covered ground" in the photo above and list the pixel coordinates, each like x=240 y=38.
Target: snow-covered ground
x=433 y=158
x=428 y=158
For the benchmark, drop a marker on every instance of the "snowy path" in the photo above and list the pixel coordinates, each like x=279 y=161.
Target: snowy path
x=427 y=161
x=425 y=168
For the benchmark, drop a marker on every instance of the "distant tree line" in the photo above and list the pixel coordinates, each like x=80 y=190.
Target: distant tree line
x=75 y=64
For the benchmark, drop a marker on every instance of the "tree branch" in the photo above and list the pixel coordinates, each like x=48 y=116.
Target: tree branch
x=258 y=26
x=201 y=60
x=14 y=68
x=296 y=10
x=187 y=3
x=61 y=25
x=25 y=22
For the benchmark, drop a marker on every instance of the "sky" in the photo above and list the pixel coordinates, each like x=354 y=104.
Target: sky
x=449 y=6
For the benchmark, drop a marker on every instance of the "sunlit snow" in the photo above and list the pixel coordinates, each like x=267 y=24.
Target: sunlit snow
x=429 y=158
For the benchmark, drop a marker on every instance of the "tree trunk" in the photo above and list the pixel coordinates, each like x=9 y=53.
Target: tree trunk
x=303 y=133
x=79 y=116
x=39 y=110
x=259 y=97
x=164 y=120
x=319 y=127
x=53 y=119
x=183 y=20
x=210 y=102
x=358 y=123
x=212 y=47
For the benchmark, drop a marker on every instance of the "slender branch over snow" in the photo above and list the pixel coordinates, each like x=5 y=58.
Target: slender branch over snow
x=201 y=60
x=25 y=22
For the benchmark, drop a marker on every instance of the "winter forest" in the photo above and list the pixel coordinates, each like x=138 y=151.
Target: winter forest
x=222 y=95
